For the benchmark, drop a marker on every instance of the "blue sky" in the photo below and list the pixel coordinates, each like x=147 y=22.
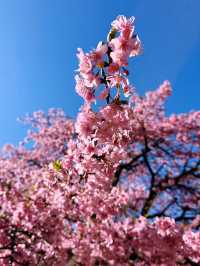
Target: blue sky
x=38 y=46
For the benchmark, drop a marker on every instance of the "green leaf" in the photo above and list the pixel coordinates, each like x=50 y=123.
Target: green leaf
x=57 y=165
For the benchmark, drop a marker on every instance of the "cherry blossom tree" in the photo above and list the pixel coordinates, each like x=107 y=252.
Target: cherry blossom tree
x=118 y=186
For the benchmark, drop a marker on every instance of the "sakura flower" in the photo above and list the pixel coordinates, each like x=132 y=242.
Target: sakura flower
x=136 y=48
x=165 y=226
x=128 y=90
x=86 y=92
x=124 y=25
x=123 y=44
x=97 y=55
x=85 y=64
x=120 y=57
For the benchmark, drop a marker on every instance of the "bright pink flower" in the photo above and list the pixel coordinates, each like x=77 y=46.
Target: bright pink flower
x=97 y=55
x=128 y=90
x=115 y=80
x=122 y=44
x=85 y=123
x=165 y=89
x=124 y=25
x=91 y=80
x=136 y=48
x=165 y=226
x=85 y=92
x=85 y=64
x=119 y=57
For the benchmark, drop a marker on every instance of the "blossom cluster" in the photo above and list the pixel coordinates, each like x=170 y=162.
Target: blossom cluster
x=119 y=186
x=105 y=66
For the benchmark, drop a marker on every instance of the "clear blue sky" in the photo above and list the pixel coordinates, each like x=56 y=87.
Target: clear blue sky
x=38 y=52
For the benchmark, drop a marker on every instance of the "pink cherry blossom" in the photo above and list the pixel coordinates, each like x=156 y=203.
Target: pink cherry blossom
x=97 y=55
x=119 y=185
x=124 y=25
x=83 y=90
x=85 y=64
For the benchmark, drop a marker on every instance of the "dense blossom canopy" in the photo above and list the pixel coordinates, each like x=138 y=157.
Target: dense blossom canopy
x=119 y=186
